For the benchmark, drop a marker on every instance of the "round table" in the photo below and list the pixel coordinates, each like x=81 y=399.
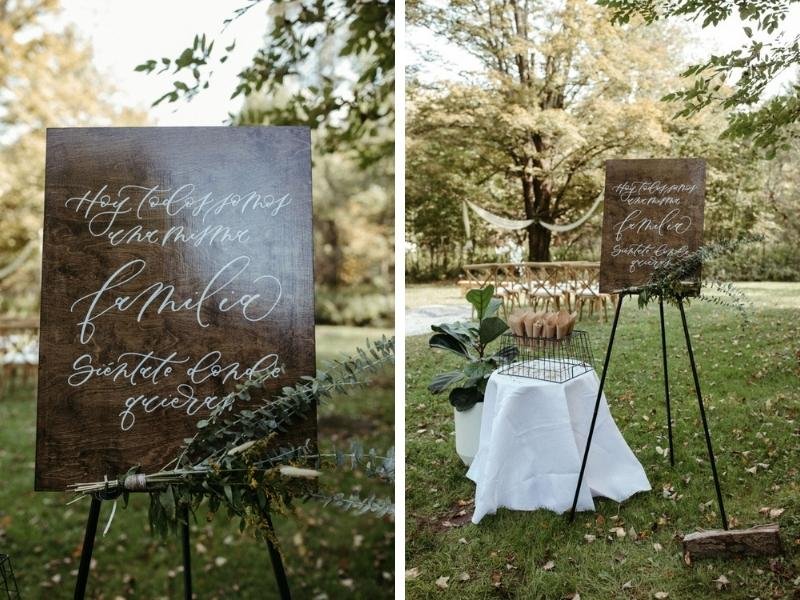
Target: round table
x=533 y=435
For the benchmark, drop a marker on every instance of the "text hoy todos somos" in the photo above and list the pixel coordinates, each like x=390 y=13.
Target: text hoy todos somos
x=101 y=211
x=651 y=193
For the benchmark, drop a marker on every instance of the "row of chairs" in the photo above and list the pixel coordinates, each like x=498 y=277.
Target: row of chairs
x=569 y=285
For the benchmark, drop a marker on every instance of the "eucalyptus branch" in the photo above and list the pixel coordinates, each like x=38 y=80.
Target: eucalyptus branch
x=354 y=503
x=275 y=414
x=242 y=471
x=677 y=280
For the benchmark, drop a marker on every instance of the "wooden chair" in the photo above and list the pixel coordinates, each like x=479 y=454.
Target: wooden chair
x=587 y=289
x=543 y=285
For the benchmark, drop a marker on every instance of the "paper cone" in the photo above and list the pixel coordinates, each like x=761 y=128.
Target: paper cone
x=573 y=318
x=531 y=318
x=516 y=321
x=549 y=329
x=563 y=320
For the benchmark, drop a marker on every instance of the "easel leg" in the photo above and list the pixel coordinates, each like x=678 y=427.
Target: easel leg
x=187 y=555
x=596 y=409
x=703 y=416
x=666 y=380
x=277 y=562
x=88 y=547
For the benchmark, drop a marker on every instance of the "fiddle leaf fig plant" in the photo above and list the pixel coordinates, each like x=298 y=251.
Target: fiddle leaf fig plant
x=470 y=341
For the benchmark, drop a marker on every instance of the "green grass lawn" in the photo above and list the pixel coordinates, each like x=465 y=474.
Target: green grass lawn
x=328 y=554
x=751 y=385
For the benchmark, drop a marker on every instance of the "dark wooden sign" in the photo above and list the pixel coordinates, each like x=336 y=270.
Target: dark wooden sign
x=177 y=263
x=652 y=216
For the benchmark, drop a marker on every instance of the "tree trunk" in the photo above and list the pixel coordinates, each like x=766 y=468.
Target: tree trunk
x=538 y=243
x=536 y=195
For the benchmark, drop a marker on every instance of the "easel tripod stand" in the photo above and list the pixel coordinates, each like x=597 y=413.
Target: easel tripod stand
x=666 y=397
x=91 y=532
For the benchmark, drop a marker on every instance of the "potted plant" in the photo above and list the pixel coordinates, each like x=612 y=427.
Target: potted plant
x=468 y=384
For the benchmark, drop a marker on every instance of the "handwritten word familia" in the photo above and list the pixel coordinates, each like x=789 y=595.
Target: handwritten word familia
x=122 y=217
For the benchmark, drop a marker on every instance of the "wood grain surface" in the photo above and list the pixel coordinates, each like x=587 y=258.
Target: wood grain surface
x=184 y=253
x=652 y=214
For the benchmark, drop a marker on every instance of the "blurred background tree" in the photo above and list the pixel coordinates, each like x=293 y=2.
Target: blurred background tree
x=46 y=78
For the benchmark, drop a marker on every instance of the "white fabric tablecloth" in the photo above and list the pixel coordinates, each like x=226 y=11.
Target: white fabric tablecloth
x=533 y=435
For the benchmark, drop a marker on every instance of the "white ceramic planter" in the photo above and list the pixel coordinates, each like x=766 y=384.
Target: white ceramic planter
x=468 y=432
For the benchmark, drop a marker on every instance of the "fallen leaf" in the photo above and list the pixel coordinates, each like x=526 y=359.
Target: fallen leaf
x=441 y=583
x=462 y=540
x=661 y=595
x=774 y=513
x=627 y=585
x=657 y=547
x=497 y=579
x=464 y=576
x=412 y=573
x=589 y=538
x=548 y=566
x=722 y=582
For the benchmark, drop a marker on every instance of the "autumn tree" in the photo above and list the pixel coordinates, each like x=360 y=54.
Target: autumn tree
x=46 y=79
x=560 y=90
x=737 y=80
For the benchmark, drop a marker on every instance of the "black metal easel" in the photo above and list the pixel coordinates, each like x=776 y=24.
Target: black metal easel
x=666 y=395
x=91 y=532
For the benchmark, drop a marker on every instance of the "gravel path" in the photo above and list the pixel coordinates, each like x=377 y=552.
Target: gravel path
x=419 y=320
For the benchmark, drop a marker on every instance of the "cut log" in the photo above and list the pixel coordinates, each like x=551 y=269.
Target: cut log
x=762 y=540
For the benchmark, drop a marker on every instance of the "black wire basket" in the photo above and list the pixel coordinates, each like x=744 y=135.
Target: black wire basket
x=548 y=359
x=8 y=583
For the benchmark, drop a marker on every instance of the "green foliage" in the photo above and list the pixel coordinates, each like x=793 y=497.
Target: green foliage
x=470 y=341
x=677 y=280
x=354 y=306
x=769 y=261
x=313 y=44
x=749 y=69
x=233 y=464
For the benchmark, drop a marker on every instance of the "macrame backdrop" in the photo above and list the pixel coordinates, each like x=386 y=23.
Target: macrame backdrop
x=512 y=224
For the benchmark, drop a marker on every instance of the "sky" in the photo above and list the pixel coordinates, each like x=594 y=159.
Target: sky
x=125 y=34
x=725 y=37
